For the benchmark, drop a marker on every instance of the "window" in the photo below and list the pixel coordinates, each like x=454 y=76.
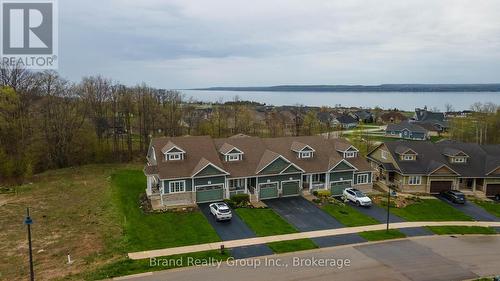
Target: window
x=350 y=154
x=177 y=186
x=233 y=157
x=236 y=184
x=364 y=178
x=384 y=154
x=305 y=154
x=408 y=157
x=459 y=159
x=317 y=177
x=174 y=156
x=415 y=180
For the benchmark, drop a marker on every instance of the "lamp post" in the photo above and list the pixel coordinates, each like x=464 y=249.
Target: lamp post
x=28 y=222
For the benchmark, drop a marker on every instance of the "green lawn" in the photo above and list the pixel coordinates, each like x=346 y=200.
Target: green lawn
x=292 y=245
x=377 y=235
x=430 y=210
x=155 y=231
x=443 y=230
x=265 y=222
x=127 y=266
x=491 y=207
x=348 y=216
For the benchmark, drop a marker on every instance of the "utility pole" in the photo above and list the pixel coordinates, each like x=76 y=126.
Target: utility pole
x=28 y=222
x=388 y=206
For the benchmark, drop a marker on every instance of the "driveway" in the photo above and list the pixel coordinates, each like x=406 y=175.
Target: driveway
x=235 y=229
x=305 y=216
x=471 y=209
x=380 y=214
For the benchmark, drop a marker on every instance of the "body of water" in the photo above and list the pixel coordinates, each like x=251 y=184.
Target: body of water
x=401 y=100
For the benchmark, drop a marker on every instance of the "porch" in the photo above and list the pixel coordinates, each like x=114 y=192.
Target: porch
x=316 y=181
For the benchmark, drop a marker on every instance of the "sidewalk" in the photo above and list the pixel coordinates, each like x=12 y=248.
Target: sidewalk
x=300 y=235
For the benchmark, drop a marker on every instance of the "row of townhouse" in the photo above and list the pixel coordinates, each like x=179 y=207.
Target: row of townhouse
x=197 y=169
x=426 y=167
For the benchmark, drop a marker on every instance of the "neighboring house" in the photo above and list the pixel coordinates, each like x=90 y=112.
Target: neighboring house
x=458 y=114
x=407 y=130
x=426 y=167
x=345 y=121
x=325 y=118
x=189 y=170
x=434 y=119
x=363 y=116
x=392 y=117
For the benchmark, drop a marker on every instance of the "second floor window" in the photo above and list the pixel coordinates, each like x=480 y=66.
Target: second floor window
x=174 y=156
x=234 y=157
x=305 y=154
x=384 y=154
x=350 y=154
x=408 y=157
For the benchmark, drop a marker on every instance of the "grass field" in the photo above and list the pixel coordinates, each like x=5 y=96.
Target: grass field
x=348 y=216
x=491 y=207
x=443 y=230
x=155 y=231
x=73 y=212
x=430 y=210
x=292 y=246
x=265 y=222
x=377 y=235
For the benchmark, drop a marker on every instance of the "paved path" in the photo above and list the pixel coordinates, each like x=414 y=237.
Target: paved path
x=300 y=235
x=432 y=258
x=306 y=216
x=233 y=230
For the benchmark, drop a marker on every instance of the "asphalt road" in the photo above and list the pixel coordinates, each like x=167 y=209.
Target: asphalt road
x=471 y=209
x=380 y=214
x=419 y=259
x=235 y=229
x=305 y=216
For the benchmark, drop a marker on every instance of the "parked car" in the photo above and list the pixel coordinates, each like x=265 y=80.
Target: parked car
x=357 y=197
x=221 y=211
x=454 y=196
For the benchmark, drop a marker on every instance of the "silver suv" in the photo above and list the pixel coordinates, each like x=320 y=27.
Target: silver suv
x=220 y=211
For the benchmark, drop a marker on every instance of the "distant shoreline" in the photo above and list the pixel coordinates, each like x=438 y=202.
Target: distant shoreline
x=362 y=88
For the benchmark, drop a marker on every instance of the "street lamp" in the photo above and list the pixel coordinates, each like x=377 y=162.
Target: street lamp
x=28 y=222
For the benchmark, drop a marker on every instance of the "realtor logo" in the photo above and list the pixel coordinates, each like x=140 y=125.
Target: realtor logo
x=29 y=34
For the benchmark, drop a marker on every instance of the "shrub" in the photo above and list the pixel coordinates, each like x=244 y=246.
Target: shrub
x=324 y=193
x=230 y=203
x=315 y=193
x=316 y=200
x=241 y=200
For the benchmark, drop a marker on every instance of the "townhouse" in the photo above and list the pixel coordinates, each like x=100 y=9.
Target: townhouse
x=426 y=167
x=197 y=169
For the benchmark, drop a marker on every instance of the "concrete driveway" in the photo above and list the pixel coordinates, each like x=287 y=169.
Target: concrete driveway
x=380 y=214
x=471 y=209
x=305 y=216
x=235 y=229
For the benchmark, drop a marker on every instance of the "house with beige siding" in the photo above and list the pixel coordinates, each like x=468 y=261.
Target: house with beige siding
x=198 y=169
x=426 y=167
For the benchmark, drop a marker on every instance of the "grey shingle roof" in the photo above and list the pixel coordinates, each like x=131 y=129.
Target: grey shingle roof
x=481 y=160
x=406 y=125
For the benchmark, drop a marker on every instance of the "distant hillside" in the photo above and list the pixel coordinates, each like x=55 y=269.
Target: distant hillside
x=362 y=88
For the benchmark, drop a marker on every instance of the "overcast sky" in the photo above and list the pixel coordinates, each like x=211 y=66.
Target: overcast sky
x=184 y=44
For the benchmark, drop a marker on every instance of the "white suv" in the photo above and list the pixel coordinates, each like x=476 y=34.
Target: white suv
x=357 y=197
x=220 y=211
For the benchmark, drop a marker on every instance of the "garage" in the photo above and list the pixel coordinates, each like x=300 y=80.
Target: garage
x=337 y=188
x=209 y=193
x=268 y=190
x=492 y=190
x=440 y=186
x=290 y=188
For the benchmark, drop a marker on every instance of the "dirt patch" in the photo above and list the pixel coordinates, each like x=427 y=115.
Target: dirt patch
x=397 y=202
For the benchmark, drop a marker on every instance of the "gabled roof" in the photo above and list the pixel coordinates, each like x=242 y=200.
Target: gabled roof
x=267 y=158
x=412 y=127
x=346 y=119
x=334 y=164
x=298 y=146
x=169 y=146
x=482 y=159
x=343 y=145
x=227 y=148
x=450 y=151
x=202 y=164
x=402 y=149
